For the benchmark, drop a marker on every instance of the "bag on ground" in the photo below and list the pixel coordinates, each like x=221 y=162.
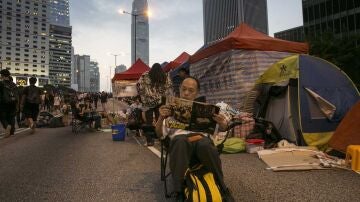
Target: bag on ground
x=201 y=185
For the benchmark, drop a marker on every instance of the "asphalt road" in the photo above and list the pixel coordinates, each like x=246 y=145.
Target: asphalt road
x=56 y=165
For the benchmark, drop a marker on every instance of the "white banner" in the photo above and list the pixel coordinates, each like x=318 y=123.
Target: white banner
x=228 y=76
x=124 y=89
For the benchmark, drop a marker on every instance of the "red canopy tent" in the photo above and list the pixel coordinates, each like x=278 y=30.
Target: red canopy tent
x=245 y=37
x=183 y=57
x=133 y=73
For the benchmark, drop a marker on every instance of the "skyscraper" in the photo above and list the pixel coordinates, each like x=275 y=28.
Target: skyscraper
x=60 y=43
x=24 y=39
x=94 y=77
x=82 y=67
x=222 y=17
x=59 y=12
x=140 y=29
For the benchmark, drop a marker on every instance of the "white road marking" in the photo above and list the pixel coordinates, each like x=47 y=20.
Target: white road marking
x=151 y=148
x=20 y=130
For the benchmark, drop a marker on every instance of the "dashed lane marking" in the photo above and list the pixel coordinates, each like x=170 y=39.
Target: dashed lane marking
x=20 y=130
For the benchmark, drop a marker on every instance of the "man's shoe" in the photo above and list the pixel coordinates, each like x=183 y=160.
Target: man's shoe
x=32 y=127
x=179 y=197
x=149 y=144
x=7 y=131
x=228 y=196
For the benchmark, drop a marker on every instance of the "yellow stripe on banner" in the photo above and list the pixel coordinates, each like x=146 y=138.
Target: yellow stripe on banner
x=320 y=140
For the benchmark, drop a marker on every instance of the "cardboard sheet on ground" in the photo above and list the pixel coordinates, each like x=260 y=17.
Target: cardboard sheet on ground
x=290 y=159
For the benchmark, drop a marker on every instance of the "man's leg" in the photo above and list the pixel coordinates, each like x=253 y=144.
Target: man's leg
x=208 y=155
x=180 y=154
x=4 y=122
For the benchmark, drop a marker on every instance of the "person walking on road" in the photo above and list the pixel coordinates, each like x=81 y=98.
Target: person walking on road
x=30 y=103
x=103 y=99
x=8 y=102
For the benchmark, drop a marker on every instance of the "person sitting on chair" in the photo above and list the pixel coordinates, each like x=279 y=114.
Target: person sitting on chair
x=84 y=114
x=181 y=149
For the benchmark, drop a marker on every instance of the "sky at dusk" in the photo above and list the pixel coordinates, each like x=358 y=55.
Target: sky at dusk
x=175 y=26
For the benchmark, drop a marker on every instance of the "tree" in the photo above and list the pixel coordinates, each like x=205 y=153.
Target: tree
x=344 y=53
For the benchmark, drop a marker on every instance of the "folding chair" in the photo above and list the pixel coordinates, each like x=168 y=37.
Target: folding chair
x=76 y=124
x=165 y=144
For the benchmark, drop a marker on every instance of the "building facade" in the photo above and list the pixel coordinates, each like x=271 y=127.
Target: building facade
x=338 y=17
x=24 y=39
x=94 y=77
x=120 y=68
x=293 y=34
x=140 y=32
x=60 y=55
x=82 y=69
x=341 y=17
x=222 y=17
x=59 y=12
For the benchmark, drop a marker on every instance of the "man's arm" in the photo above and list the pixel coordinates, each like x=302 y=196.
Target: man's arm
x=164 y=112
x=222 y=121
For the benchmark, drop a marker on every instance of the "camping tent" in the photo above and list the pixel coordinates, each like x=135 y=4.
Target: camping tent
x=227 y=70
x=314 y=97
x=183 y=57
x=124 y=83
x=348 y=131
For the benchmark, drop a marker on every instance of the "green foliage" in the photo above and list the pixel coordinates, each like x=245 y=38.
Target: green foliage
x=344 y=53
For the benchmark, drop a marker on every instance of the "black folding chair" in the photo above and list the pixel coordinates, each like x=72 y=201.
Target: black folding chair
x=165 y=144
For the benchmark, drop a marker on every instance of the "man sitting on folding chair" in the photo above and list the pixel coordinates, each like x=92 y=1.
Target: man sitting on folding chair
x=182 y=147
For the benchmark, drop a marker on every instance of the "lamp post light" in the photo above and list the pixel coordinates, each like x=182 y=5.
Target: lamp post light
x=135 y=15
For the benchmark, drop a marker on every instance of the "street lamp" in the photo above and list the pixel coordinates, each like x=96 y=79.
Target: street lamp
x=135 y=15
x=115 y=55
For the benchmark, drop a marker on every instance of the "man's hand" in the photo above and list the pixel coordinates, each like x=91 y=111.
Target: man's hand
x=222 y=121
x=165 y=111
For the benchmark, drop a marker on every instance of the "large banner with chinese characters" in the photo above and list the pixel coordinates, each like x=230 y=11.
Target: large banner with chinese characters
x=229 y=75
x=124 y=88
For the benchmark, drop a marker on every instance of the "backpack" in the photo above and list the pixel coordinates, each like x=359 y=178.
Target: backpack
x=33 y=95
x=135 y=119
x=10 y=94
x=201 y=185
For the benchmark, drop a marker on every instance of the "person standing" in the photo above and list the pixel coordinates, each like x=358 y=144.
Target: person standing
x=8 y=102
x=30 y=103
x=152 y=87
x=57 y=101
x=103 y=99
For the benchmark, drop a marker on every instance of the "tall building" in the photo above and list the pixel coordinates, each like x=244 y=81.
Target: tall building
x=82 y=67
x=222 y=17
x=94 y=77
x=339 y=17
x=60 y=55
x=24 y=39
x=140 y=29
x=120 y=68
x=60 y=42
x=59 y=12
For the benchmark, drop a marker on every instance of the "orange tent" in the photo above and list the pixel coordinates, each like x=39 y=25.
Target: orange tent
x=133 y=73
x=348 y=131
x=245 y=37
x=183 y=57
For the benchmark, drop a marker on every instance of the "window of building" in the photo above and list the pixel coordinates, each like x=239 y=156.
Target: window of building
x=344 y=24
x=34 y=65
x=306 y=13
x=343 y=6
x=357 y=3
x=336 y=7
x=350 y=4
x=337 y=26
x=357 y=19
x=351 y=22
x=26 y=70
x=317 y=11
x=322 y=9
